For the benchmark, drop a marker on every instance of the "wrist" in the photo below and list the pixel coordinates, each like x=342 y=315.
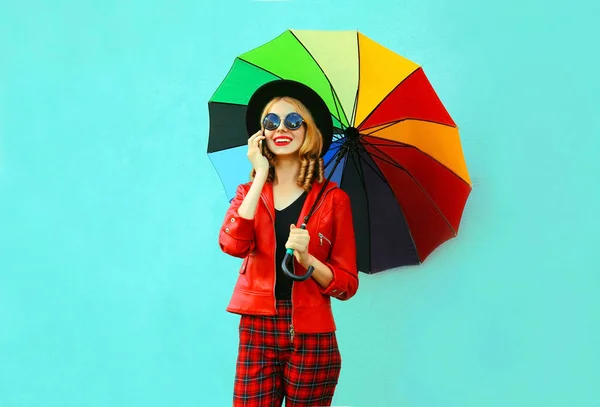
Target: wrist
x=261 y=174
x=307 y=261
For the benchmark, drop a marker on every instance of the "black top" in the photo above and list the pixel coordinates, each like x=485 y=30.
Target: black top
x=283 y=219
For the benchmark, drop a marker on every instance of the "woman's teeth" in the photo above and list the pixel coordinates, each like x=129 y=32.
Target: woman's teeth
x=282 y=141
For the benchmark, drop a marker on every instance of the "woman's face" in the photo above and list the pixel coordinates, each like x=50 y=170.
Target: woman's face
x=283 y=141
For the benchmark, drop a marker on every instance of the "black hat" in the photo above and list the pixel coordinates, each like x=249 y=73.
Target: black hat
x=309 y=98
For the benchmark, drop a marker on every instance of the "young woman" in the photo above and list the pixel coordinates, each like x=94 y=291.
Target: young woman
x=287 y=342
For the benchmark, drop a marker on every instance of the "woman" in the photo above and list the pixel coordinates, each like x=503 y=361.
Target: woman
x=288 y=346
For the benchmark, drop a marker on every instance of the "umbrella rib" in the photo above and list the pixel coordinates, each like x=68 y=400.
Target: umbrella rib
x=377 y=171
x=335 y=97
x=387 y=125
x=231 y=69
x=357 y=83
x=337 y=144
x=336 y=105
x=399 y=144
x=259 y=67
x=395 y=122
x=364 y=184
x=344 y=164
x=332 y=158
x=386 y=96
x=394 y=163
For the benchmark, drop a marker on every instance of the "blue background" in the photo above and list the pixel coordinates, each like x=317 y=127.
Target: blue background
x=112 y=286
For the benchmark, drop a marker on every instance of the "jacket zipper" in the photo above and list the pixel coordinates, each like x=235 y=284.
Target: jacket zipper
x=274 y=256
x=321 y=237
x=292 y=332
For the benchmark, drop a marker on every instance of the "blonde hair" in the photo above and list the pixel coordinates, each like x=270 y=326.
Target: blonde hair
x=311 y=163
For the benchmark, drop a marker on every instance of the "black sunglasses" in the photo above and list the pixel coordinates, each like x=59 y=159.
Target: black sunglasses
x=292 y=121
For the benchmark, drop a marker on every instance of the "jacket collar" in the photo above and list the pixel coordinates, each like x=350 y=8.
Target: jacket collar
x=267 y=197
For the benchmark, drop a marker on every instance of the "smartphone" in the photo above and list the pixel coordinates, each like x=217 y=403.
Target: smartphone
x=263 y=146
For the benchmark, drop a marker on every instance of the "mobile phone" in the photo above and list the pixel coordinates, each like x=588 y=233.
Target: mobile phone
x=263 y=145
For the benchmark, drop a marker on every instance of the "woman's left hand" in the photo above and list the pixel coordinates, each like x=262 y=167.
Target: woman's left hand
x=298 y=240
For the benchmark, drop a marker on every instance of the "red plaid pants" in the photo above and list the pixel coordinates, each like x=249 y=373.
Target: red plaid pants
x=270 y=366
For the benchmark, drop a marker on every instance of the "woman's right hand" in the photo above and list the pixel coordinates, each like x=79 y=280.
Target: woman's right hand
x=257 y=159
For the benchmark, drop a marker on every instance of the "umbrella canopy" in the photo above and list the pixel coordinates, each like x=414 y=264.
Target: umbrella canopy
x=396 y=150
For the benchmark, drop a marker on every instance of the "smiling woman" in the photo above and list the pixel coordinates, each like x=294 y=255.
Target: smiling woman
x=287 y=328
x=294 y=136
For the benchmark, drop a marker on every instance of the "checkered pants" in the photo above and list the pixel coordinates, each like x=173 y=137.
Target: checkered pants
x=270 y=366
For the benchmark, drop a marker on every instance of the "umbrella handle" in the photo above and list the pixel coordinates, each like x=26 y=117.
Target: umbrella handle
x=288 y=258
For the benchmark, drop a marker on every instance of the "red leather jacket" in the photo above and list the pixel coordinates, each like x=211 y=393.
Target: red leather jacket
x=331 y=241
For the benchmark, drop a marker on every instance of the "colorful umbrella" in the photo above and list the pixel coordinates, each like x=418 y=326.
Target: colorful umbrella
x=396 y=151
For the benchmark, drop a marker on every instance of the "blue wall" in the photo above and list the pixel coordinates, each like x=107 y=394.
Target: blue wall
x=112 y=286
